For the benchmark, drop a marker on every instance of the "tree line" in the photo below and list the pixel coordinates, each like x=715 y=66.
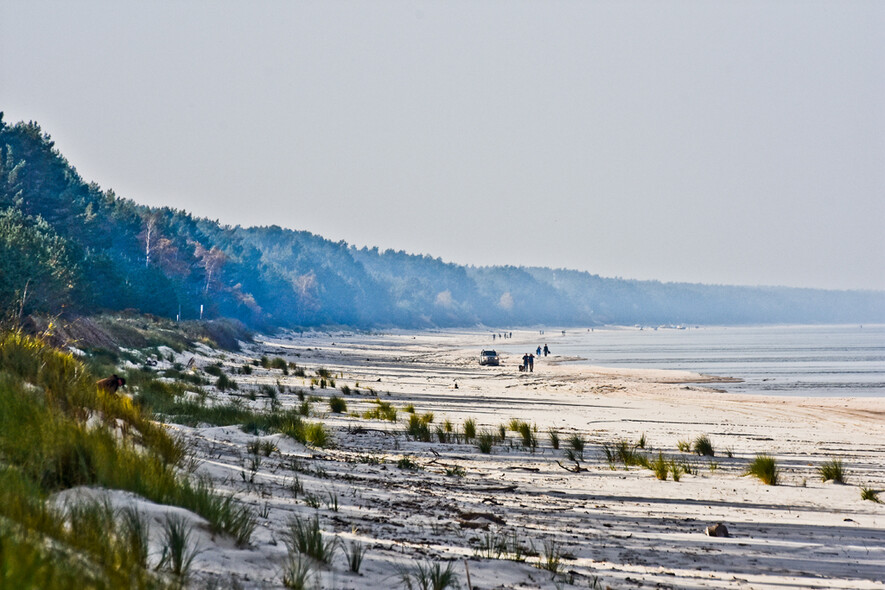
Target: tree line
x=70 y=247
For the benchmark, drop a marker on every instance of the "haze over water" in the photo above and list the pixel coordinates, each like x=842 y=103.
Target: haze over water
x=821 y=361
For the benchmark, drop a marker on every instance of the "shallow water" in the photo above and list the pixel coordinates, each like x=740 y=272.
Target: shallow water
x=843 y=361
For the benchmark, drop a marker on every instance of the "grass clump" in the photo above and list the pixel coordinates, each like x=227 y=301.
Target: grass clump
x=418 y=428
x=660 y=467
x=869 y=494
x=554 y=437
x=178 y=554
x=382 y=411
x=298 y=573
x=408 y=464
x=764 y=467
x=355 y=551
x=832 y=470
x=702 y=446
x=469 y=429
x=305 y=537
x=337 y=405
x=426 y=575
x=485 y=441
x=684 y=446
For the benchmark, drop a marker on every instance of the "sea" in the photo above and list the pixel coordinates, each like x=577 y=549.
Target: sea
x=813 y=361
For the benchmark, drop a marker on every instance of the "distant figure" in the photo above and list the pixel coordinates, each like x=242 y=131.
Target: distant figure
x=511 y=333
x=525 y=362
x=493 y=337
x=111 y=384
x=563 y=332
x=531 y=363
x=539 y=352
x=546 y=351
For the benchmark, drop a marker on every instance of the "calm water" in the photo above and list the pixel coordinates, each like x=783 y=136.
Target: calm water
x=844 y=361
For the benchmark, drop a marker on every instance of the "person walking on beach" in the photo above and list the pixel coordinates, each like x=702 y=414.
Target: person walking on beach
x=539 y=351
x=531 y=363
x=525 y=362
x=546 y=351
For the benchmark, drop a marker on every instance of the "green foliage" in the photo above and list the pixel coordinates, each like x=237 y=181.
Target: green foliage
x=554 y=437
x=426 y=575
x=660 y=467
x=702 y=446
x=381 y=411
x=355 y=551
x=832 y=470
x=485 y=441
x=408 y=464
x=764 y=467
x=337 y=405
x=304 y=536
x=869 y=494
x=37 y=271
x=469 y=429
x=418 y=428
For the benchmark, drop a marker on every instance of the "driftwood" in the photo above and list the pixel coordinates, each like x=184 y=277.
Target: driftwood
x=576 y=469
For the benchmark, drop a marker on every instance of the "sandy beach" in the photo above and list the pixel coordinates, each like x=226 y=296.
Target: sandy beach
x=498 y=517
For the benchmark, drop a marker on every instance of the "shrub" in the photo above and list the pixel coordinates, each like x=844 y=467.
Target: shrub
x=832 y=470
x=337 y=405
x=703 y=446
x=684 y=446
x=764 y=467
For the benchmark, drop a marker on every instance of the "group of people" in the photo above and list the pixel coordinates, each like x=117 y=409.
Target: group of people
x=528 y=359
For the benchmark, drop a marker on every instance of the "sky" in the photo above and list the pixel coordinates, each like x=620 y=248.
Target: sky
x=737 y=143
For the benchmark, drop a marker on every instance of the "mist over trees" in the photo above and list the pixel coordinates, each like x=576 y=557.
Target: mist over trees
x=69 y=247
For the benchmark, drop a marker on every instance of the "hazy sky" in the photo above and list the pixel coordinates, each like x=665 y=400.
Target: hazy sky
x=718 y=142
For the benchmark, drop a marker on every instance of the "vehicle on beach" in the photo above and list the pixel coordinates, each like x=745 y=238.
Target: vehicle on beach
x=490 y=358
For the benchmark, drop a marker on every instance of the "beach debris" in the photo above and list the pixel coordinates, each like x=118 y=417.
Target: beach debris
x=716 y=530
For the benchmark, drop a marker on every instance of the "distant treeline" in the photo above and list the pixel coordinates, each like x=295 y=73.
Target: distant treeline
x=68 y=247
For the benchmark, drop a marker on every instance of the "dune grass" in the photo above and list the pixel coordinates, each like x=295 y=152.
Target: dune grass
x=832 y=470
x=469 y=429
x=869 y=494
x=702 y=446
x=304 y=536
x=57 y=431
x=764 y=467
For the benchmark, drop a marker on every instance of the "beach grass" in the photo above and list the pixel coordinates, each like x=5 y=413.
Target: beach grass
x=702 y=446
x=832 y=470
x=764 y=467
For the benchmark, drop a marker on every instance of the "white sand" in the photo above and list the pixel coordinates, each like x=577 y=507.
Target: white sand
x=618 y=528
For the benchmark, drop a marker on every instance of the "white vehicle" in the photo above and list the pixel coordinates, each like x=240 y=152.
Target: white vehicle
x=489 y=357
